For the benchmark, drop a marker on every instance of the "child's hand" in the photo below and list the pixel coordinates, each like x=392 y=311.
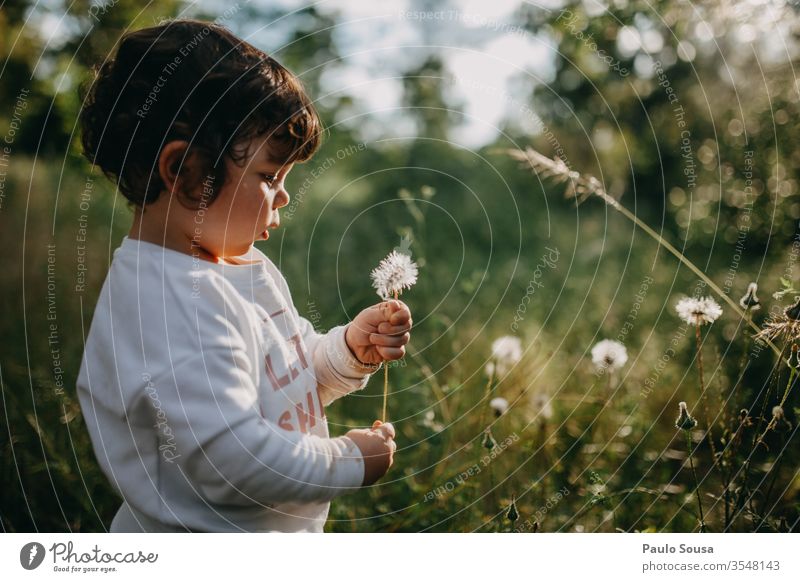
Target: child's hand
x=380 y=332
x=377 y=447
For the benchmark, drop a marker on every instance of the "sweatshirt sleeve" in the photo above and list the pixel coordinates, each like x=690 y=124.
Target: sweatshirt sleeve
x=227 y=450
x=337 y=370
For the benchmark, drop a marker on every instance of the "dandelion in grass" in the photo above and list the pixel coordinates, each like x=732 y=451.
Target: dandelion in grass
x=512 y=514
x=609 y=356
x=698 y=312
x=488 y=441
x=777 y=421
x=685 y=420
x=499 y=406
x=686 y=423
x=429 y=421
x=506 y=353
x=392 y=275
x=785 y=326
x=543 y=405
x=583 y=186
x=749 y=300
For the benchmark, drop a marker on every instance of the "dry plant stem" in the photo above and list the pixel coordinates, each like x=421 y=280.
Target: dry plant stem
x=703 y=395
x=486 y=397
x=386 y=384
x=775 y=473
x=772 y=422
x=696 y=482
x=491 y=497
x=792 y=373
x=756 y=441
x=590 y=185
x=481 y=423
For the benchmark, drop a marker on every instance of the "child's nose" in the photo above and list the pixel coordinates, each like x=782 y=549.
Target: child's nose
x=281 y=199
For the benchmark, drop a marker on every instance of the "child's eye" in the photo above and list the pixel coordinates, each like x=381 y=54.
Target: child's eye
x=268 y=178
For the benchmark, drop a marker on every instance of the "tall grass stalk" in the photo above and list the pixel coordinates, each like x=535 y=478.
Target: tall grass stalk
x=585 y=186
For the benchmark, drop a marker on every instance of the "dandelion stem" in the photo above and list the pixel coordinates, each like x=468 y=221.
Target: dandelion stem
x=703 y=395
x=486 y=398
x=386 y=384
x=696 y=482
x=385 y=391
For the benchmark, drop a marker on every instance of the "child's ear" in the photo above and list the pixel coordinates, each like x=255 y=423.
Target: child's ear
x=172 y=162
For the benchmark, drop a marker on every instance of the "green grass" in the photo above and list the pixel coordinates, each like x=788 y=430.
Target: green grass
x=607 y=458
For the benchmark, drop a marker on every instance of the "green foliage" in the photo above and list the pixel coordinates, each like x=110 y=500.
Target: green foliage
x=591 y=453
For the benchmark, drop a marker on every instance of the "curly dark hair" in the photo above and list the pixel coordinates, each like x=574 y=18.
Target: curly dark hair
x=195 y=81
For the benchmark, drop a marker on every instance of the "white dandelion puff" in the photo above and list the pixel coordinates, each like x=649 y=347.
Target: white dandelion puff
x=698 y=311
x=393 y=274
x=609 y=355
x=542 y=403
x=499 y=405
x=506 y=353
x=429 y=421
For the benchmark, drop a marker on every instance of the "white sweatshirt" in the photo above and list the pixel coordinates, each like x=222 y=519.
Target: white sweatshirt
x=204 y=392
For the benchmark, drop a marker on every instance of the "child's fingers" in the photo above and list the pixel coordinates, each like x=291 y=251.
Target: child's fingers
x=385 y=428
x=400 y=316
x=389 y=353
x=393 y=341
x=396 y=311
x=387 y=328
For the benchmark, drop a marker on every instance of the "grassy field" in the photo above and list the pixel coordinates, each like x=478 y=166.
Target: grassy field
x=577 y=450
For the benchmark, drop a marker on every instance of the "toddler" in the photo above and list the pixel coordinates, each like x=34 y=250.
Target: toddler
x=203 y=389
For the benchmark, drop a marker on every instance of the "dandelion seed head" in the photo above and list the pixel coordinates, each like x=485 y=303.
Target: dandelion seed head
x=609 y=355
x=499 y=405
x=394 y=274
x=785 y=326
x=777 y=412
x=698 y=311
x=541 y=402
x=506 y=353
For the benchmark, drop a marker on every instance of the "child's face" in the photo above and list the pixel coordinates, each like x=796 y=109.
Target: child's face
x=247 y=204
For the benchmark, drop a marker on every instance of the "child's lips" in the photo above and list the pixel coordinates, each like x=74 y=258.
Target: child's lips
x=265 y=234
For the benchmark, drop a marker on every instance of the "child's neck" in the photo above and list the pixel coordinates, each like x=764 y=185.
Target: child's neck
x=156 y=231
